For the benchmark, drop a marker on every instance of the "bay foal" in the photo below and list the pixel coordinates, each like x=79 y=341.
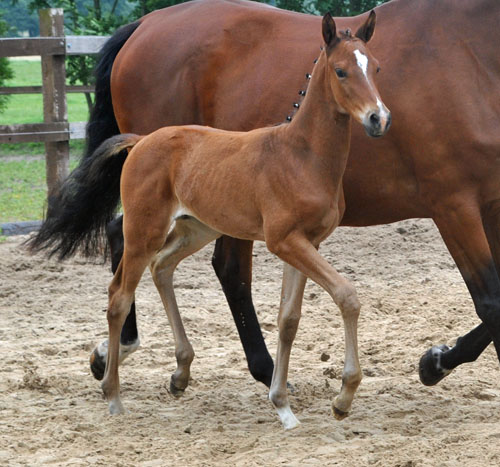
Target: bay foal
x=282 y=185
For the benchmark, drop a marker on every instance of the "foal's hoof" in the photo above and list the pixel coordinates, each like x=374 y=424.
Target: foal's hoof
x=175 y=391
x=115 y=407
x=339 y=414
x=97 y=364
x=430 y=369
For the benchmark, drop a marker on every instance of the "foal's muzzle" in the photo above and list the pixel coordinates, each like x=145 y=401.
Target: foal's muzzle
x=377 y=123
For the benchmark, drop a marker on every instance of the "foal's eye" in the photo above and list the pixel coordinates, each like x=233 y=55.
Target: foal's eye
x=340 y=73
x=378 y=69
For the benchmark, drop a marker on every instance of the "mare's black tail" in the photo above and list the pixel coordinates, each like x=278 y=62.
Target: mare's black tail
x=102 y=123
x=85 y=203
x=76 y=214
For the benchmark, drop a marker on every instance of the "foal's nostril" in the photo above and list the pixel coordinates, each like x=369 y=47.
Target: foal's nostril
x=374 y=119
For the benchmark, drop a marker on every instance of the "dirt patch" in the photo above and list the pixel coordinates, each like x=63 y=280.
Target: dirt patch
x=52 y=411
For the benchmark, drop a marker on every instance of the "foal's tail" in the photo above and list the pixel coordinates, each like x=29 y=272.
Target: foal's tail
x=78 y=213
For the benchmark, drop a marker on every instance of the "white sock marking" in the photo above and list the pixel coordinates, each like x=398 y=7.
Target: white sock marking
x=287 y=418
x=125 y=350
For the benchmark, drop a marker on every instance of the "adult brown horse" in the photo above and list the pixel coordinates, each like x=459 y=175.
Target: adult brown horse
x=184 y=186
x=239 y=65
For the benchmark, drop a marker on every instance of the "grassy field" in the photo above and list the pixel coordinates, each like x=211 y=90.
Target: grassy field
x=22 y=190
x=22 y=170
x=28 y=108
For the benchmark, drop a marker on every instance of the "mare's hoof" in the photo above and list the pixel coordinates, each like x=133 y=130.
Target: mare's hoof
x=97 y=364
x=100 y=354
x=430 y=369
x=339 y=414
x=175 y=391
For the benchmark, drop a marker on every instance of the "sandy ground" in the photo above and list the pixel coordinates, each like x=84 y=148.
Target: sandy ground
x=52 y=411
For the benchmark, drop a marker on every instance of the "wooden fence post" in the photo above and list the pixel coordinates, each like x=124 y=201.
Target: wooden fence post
x=54 y=99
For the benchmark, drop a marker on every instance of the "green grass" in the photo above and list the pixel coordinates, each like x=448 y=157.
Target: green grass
x=23 y=188
x=76 y=148
x=28 y=108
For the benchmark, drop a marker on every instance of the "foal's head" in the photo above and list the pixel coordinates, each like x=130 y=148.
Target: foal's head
x=351 y=71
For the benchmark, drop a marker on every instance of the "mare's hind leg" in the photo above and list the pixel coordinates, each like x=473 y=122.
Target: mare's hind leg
x=292 y=292
x=232 y=262
x=298 y=252
x=468 y=243
x=187 y=237
x=129 y=337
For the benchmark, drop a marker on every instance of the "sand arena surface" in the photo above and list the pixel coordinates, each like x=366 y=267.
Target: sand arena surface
x=52 y=411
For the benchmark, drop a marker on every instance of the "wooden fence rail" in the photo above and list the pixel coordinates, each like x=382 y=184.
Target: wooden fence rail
x=39 y=89
x=63 y=45
x=55 y=131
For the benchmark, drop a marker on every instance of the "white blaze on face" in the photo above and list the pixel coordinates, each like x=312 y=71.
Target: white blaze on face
x=362 y=61
x=381 y=108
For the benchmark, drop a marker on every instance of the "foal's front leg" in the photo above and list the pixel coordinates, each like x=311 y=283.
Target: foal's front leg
x=301 y=254
x=292 y=292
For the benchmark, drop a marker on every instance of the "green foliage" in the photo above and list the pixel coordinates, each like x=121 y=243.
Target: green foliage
x=146 y=6
x=18 y=18
x=335 y=7
x=5 y=74
x=99 y=18
x=5 y=69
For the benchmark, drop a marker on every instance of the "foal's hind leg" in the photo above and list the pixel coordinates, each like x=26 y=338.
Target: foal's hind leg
x=121 y=296
x=129 y=338
x=302 y=255
x=187 y=237
x=145 y=232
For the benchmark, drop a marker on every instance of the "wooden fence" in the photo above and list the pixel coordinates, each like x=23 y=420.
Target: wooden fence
x=55 y=131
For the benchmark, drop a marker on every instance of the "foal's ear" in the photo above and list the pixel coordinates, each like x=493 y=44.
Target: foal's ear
x=365 y=32
x=329 y=30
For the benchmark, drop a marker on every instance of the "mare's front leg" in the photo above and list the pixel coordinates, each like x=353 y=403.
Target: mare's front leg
x=129 y=337
x=468 y=244
x=440 y=360
x=187 y=237
x=300 y=253
x=232 y=262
